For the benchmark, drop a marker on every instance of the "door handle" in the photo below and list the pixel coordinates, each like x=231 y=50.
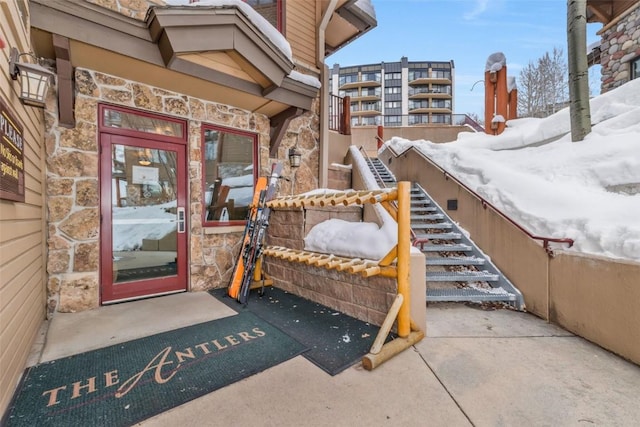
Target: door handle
x=181 y=220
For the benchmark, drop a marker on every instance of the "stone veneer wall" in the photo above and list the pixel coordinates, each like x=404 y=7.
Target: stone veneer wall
x=133 y=8
x=620 y=44
x=72 y=182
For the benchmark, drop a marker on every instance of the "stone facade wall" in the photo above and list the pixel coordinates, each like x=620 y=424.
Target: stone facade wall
x=72 y=182
x=132 y=8
x=620 y=44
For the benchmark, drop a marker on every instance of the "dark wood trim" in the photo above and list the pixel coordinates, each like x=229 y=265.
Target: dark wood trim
x=64 y=70
x=279 y=124
x=169 y=32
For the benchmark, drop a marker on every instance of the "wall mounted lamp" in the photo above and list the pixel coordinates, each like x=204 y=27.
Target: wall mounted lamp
x=294 y=157
x=34 y=78
x=144 y=157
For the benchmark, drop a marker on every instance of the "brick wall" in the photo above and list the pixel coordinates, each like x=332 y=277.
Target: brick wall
x=367 y=299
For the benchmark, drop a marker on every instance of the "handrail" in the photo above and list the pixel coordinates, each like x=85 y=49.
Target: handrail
x=369 y=162
x=413 y=233
x=485 y=203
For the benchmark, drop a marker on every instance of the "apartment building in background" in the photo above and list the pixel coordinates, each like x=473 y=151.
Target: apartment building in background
x=404 y=93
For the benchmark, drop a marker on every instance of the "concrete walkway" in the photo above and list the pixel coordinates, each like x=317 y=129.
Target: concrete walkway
x=476 y=367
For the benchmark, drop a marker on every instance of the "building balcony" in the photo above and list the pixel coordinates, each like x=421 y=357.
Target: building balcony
x=440 y=95
x=365 y=83
x=428 y=80
x=367 y=98
x=430 y=95
x=427 y=110
x=365 y=113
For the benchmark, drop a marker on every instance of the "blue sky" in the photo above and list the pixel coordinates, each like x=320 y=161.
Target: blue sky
x=467 y=32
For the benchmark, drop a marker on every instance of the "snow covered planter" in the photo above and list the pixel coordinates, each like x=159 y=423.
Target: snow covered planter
x=369 y=264
x=367 y=299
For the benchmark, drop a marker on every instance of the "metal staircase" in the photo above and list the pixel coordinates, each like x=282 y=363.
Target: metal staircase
x=383 y=175
x=457 y=270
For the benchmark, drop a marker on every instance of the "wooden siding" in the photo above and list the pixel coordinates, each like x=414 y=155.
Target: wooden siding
x=300 y=29
x=22 y=226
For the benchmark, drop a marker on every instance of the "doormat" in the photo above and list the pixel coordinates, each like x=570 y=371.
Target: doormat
x=126 y=383
x=336 y=341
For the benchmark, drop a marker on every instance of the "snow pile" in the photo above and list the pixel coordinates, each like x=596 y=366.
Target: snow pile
x=588 y=191
x=355 y=239
x=352 y=239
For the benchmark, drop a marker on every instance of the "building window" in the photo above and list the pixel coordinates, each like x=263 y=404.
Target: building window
x=392 y=120
x=370 y=121
x=351 y=92
x=392 y=89
x=371 y=91
x=635 y=68
x=441 y=89
x=371 y=77
x=118 y=118
x=439 y=74
x=392 y=104
x=349 y=78
x=371 y=106
x=441 y=118
x=441 y=103
x=271 y=10
x=418 y=74
x=414 y=105
x=418 y=119
x=229 y=159
x=392 y=76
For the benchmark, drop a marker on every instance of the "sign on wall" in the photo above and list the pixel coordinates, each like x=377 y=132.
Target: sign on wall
x=11 y=156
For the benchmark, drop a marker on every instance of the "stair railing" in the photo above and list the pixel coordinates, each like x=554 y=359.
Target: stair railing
x=545 y=240
x=375 y=172
x=381 y=181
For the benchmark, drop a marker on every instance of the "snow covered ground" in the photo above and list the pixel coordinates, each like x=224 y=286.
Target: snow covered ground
x=588 y=191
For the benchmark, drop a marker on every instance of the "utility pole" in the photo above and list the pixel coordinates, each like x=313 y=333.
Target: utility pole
x=578 y=69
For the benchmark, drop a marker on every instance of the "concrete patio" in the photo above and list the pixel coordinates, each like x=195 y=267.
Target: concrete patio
x=475 y=367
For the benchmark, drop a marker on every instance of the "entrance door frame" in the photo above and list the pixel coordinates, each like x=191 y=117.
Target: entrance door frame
x=153 y=140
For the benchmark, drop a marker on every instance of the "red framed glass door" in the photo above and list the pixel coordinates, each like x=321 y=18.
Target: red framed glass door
x=143 y=229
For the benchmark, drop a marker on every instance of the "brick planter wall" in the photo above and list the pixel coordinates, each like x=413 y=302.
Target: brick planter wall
x=367 y=299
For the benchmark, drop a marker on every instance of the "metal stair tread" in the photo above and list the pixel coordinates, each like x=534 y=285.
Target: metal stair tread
x=427 y=217
x=446 y=248
x=461 y=276
x=418 y=209
x=454 y=261
x=434 y=226
x=468 y=294
x=439 y=236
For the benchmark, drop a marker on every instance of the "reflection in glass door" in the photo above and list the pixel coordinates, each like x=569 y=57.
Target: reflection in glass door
x=144 y=233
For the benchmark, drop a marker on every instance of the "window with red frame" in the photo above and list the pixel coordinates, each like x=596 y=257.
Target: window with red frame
x=229 y=159
x=271 y=10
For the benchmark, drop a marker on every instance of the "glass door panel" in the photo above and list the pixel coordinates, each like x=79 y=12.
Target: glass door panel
x=143 y=237
x=144 y=213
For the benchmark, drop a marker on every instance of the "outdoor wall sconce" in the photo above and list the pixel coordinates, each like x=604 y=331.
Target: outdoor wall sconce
x=144 y=157
x=294 y=157
x=34 y=78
